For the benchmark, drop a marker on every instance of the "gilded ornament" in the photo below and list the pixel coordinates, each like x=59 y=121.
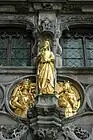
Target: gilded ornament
x=22 y=97
x=45 y=72
x=68 y=98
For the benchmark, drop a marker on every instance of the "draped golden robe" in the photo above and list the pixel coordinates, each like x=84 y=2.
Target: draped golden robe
x=46 y=72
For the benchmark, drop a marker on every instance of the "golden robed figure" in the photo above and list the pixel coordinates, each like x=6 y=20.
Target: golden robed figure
x=68 y=98
x=22 y=97
x=45 y=73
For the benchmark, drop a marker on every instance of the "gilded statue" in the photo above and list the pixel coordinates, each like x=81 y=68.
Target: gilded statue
x=22 y=97
x=68 y=98
x=45 y=72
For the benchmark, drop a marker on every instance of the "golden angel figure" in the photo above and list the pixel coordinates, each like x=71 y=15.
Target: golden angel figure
x=45 y=71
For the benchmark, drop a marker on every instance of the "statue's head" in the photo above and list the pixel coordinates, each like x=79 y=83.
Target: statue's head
x=26 y=83
x=47 y=44
x=67 y=85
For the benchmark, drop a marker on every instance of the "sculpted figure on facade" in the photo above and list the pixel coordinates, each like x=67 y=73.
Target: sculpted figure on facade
x=68 y=98
x=22 y=97
x=45 y=72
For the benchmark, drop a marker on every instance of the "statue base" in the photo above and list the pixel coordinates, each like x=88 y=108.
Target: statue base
x=49 y=123
x=45 y=113
x=47 y=100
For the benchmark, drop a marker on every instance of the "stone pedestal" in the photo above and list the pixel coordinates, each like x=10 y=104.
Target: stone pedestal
x=45 y=113
x=46 y=100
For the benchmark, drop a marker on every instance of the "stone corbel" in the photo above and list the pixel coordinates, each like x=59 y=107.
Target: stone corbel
x=47 y=25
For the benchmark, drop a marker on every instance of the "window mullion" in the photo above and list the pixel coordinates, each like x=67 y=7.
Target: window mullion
x=84 y=50
x=9 y=51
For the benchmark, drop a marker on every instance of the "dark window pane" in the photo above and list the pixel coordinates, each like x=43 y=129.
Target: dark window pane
x=89 y=50
x=72 y=52
x=3 y=62
x=20 y=62
x=89 y=43
x=15 y=47
x=20 y=52
x=73 y=62
x=3 y=42
x=19 y=42
x=72 y=43
x=3 y=51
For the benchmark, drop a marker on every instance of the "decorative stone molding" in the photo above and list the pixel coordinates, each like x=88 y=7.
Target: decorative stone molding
x=21 y=20
x=28 y=7
x=64 y=6
x=7 y=8
x=2 y=96
x=66 y=20
x=89 y=95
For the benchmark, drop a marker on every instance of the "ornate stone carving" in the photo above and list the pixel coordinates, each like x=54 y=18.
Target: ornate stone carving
x=71 y=8
x=66 y=20
x=68 y=132
x=27 y=6
x=73 y=132
x=47 y=25
x=46 y=134
x=58 y=46
x=48 y=6
x=18 y=132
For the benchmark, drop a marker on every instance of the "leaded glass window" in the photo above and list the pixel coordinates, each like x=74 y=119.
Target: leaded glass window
x=15 y=47
x=72 y=52
x=77 y=46
x=89 y=51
